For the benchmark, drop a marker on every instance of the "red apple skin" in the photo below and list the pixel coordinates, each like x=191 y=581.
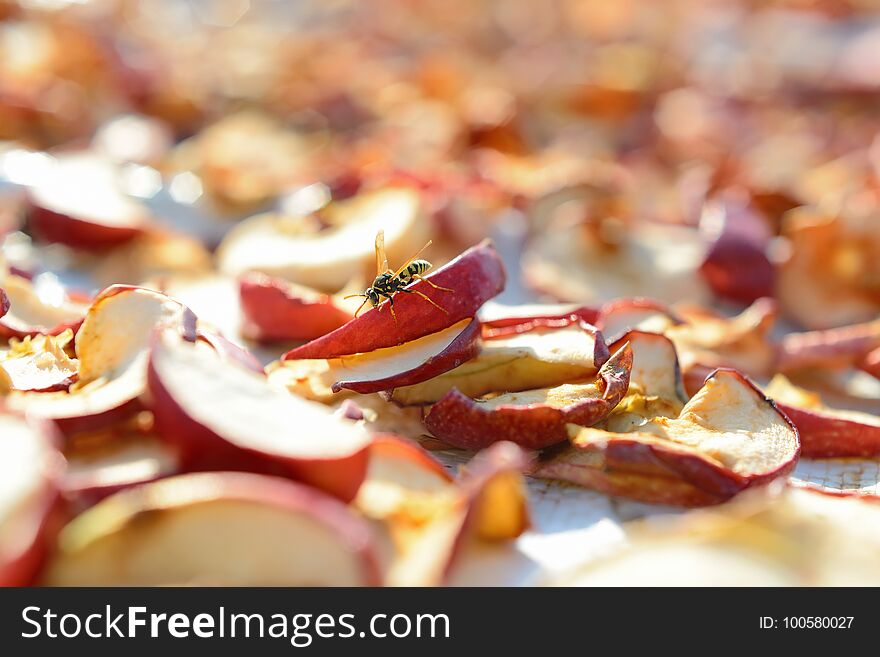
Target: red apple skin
x=7 y=331
x=508 y=326
x=738 y=270
x=23 y=569
x=476 y=276
x=229 y=351
x=462 y=349
x=634 y=486
x=825 y=436
x=51 y=226
x=4 y=302
x=835 y=348
x=273 y=311
x=871 y=363
x=201 y=449
x=460 y=421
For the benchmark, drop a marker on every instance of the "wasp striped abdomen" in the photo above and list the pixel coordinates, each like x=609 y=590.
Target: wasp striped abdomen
x=413 y=269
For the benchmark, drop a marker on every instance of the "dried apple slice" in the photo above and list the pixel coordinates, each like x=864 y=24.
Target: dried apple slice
x=535 y=357
x=260 y=428
x=535 y=418
x=825 y=432
x=474 y=277
x=842 y=347
x=582 y=258
x=30 y=474
x=500 y=321
x=111 y=347
x=621 y=315
x=79 y=203
x=30 y=314
x=385 y=369
x=272 y=532
x=327 y=259
x=39 y=364
x=490 y=504
x=275 y=309
x=728 y=437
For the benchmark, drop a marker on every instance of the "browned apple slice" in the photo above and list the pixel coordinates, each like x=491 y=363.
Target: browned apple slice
x=726 y=438
x=384 y=369
x=217 y=528
x=260 y=428
x=535 y=418
x=111 y=347
x=536 y=357
x=30 y=474
x=275 y=309
x=38 y=364
x=79 y=203
x=825 y=432
x=491 y=504
x=289 y=247
x=474 y=277
x=30 y=314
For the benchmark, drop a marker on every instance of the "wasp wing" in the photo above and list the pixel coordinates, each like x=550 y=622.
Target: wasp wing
x=381 y=256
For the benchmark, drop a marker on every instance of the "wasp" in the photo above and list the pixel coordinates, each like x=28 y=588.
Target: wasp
x=388 y=283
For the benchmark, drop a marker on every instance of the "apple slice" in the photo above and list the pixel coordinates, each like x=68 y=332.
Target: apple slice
x=736 y=265
x=536 y=357
x=621 y=315
x=825 y=432
x=475 y=276
x=111 y=347
x=491 y=505
x=29 y=313
x=835 y=348
x=29 y=494
x=102 y=463
x=218 y=528
x=535 y=418
x=275 y=309
x=224 y=416
x=289 y=248
x=38 y=364
x=400 y=477
x=500 y=321
x=726 y=438
x=584 y=258
x=385 y=369
x=79 y=203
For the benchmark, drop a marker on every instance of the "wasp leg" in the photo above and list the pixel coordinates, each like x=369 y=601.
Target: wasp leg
x=361 y=307
x=428 y=299
x=434 y=285
x=390 y=305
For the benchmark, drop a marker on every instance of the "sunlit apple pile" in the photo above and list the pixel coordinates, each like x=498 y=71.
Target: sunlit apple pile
x=189 y=395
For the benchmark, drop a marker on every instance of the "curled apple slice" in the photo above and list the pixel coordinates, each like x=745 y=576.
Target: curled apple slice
x=111 y=347
x=499 y=321
x=621 y=315
x=29 y=313
x=275 y=309
x=30 y=474
x=474 y=277
x=79 y=203
x=384 y=369
x=222 y=415
x=535 y=418
x=489 y=503
x=218 y=528
x=726 y=438
x=825 y=432
x=286 y=247
x=535 y=357
x=39 y=364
